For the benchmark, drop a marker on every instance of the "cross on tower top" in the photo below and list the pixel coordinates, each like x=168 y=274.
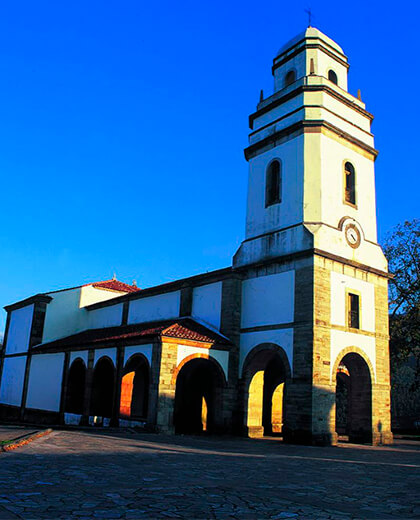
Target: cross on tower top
x=309 y=13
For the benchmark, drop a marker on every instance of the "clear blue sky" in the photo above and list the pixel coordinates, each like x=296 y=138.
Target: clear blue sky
x=122 y=128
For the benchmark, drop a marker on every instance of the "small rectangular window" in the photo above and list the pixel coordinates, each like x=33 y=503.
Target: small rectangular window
x=354 y=311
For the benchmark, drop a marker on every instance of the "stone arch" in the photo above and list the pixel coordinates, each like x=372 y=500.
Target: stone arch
x=199 y=391
x=354 y=350
x=198 y=356
x=103 y=388
x=135 y=381
x=353 y=379
x=76 y=387
x=265 y=376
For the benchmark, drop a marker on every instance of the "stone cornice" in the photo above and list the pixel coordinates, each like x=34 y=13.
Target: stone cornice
x=297 y=129
x=283 y=58
x=300 y=89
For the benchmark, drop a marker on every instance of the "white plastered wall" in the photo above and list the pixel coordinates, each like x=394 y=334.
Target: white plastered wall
x=340 y=284
x=19 y=330
x=146 y=350
x=290 y=210
x=280 y=337
x=268 y=300
x=90 y=295
x=105 y=352
x=12 y=379
x=221 y=356
x=207 y=303
x=44 y=387
x=82 y=354
x=160 y=307
x=333 y=207
x=63 y=316
x=110 y=316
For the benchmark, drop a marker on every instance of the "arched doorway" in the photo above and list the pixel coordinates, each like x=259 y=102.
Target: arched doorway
x=103 y=388
x=354 y=399
x=76 y=387
x=265 y=374
x=199 y=397
x=135 y=388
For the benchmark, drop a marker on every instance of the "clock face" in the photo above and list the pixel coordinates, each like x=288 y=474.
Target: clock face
x=352 y=236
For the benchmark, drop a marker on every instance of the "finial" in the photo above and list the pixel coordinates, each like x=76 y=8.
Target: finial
x=134 y=283
x=114 y=277
x=312 y=67
x=309 y=13
x=261 y=95
x=359 y=95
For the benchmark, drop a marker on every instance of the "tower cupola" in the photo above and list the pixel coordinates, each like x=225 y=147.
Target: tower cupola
x=311 y=53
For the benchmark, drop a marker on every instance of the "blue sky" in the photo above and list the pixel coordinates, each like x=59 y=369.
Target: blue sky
x=122 y=128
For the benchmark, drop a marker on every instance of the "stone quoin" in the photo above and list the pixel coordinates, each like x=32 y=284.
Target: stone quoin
x=291 y=340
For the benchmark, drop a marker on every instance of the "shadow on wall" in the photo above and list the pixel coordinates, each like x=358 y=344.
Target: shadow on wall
x=270 y=403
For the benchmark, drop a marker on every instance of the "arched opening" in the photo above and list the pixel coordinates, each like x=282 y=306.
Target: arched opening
x=198 y=397
x=289 y=78
x=350 y=183
x=354 y=399
x=101 y=403
x=135 y=388
x=273 y=184
x=266 y=372
x=76 y=387
x=332 y=76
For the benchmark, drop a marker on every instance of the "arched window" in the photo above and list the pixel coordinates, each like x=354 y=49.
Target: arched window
x=273 y=184
x=290 y=78
x=349 y=183
x=332 y=76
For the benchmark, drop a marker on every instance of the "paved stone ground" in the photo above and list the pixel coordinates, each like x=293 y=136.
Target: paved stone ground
x=8 y=433
x=88 y=475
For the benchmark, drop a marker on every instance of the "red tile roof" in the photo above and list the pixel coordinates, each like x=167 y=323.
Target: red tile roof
x=182 y=328
x=115 y=285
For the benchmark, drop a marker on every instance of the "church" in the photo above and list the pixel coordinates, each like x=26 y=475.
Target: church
x=290 y=340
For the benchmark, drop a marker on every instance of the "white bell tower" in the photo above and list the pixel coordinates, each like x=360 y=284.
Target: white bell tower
x=311 y=161
x=311 y=222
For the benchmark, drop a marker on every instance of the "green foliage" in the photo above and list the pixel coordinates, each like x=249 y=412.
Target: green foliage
x=402 y=249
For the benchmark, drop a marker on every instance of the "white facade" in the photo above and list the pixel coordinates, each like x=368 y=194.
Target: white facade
x=160 y=307
x=19 y=330
x=45 y=376
x=207 y=303
x=312 y=127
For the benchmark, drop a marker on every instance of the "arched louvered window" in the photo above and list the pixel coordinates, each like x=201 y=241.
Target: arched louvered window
x=349 y=183
x=290 y=78
x=332 y=76
x=273 y=184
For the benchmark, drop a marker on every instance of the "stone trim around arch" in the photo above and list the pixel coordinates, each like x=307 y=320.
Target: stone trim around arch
x=139 y=355
x=189 y=358
x=252 y=390
x=352 y=350
x=273 y=347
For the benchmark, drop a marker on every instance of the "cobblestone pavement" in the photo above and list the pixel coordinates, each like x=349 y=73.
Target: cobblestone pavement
x=88 y=475
x=12 y=432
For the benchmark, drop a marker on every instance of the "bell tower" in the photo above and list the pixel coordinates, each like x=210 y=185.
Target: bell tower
x=311 y=211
